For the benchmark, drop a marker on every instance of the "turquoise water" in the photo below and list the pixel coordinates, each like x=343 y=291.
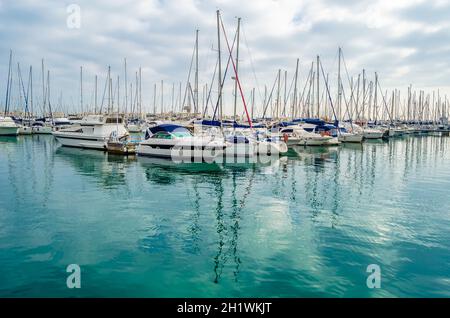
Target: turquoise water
x=307 y=225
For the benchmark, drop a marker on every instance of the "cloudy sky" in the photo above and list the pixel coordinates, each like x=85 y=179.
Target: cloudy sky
x=405 y=41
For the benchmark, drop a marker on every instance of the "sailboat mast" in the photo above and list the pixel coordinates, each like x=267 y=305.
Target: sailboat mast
x=253 y=102
x=31 y=91
x=278 y=94
x=162 y=96
x=140 y=92
x=154 y=100
x=339 y=86
x=126 y=85
x=48 y=95
x=95 y=95
x=285 y=92
x=219 y=82
x=294 y=102
x=196 y=73
x=237 y=69
x=81 y=88
x=173 y=97
x=44 y=97
x=7 y=84
x=317 y=88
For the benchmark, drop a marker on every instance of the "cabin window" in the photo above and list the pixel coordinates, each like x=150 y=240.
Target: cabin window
x=111 y=120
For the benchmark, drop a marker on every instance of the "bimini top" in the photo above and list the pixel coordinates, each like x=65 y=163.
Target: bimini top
x=167 y=128
x=286 y=123
x=314 y=121
x=170 y=128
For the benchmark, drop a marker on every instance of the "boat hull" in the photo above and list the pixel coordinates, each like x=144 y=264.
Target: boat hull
x=42 y=130
x=373 y=135
x=157 y=151
x=25 y=130
x=9 y=131
x=80 y=141
x=351 y=138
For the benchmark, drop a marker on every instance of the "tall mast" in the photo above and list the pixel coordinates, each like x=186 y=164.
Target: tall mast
x=179 y=99
x=31 y=90
x=364 y=93
x=109 y=89
x=220 y=66
x=162 y=96
x=294 y=102
x=253 y=102
x=285 y=92
x=81 y=88
x=375 y=98
x=339 y=86
x=173 y=97
x=237 y=69
x=118 y=94
x=7 y=85
x=317 y=88
x=140 y=92
x=154 y=100
x=278 y=94
x=196 y=73
x=118 y=105
x=95 y=95
x=44 y=97
x=48 y=95
x=126 y=85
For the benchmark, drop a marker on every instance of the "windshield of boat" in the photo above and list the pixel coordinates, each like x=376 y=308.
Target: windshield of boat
x=162 y=135
x=181 y=134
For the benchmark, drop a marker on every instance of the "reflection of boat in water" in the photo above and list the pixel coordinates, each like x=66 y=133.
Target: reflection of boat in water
x=375 y=141
x=109 y=168
x=314 y=154
x=193 y=167
x=5 y=139
x=352 y=145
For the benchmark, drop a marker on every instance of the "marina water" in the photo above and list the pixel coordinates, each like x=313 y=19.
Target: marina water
x=306 y=225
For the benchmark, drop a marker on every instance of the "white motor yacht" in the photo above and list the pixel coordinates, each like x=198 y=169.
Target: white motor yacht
x=8 y=127
x=177 y=142
x=93 y=131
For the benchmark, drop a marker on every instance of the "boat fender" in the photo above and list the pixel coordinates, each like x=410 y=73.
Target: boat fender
x=285 y=137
